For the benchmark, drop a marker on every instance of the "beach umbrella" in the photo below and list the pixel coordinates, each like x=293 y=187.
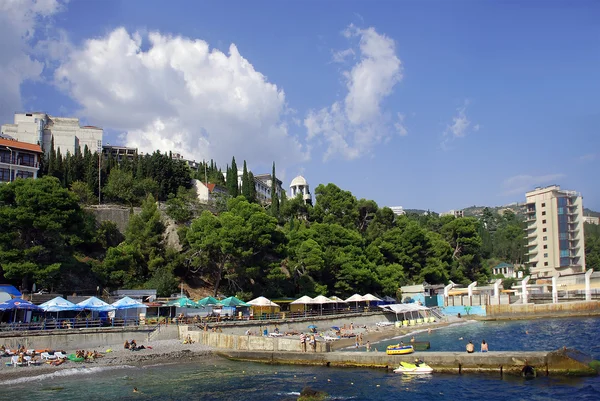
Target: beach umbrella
x=95 y=304
x=261 y=302
x=127 y=303
x=336 y=328
x=183 y=302
x=18 y=303
x=206 y=301
x=303 y=300
x=321 y=299
x=232 y=302
x=59 y=304
x=370 y=298
x=312 y=326
x=355 y=298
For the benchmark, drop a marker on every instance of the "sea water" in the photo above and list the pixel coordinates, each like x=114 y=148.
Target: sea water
x=219 y=379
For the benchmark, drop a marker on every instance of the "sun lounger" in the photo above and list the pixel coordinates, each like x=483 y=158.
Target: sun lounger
x=61 y=355
x=48 y=357
x=14 y=361
x=31 y=362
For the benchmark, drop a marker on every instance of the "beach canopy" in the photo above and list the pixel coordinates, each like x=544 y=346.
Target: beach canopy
x=95 y=304
x=304 y=300
x=321 y=299
x=371 y=298
x=128 y=303
x=59 y=304
x=403 y=308
x=355 y=298
x=18 y=303
x=262 y=301
x=206 y=301
x=337 y=299
x=232 y=302
x=10 y=289
x=183 y=302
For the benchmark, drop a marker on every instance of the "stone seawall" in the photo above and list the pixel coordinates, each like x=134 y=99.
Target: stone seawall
x=75 y=339
x=115 y=213
x=557 y=363
x=526 y=311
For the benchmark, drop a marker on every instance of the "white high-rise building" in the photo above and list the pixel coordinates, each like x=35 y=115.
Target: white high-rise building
x=554 y=232
x=41 y=128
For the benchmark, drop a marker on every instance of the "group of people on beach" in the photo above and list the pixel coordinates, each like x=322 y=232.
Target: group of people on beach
x=471 y=347
x=132 y=346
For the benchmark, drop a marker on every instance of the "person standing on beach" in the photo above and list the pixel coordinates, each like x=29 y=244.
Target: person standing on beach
x=368 y=346
x=484 y=346
x=303 y=342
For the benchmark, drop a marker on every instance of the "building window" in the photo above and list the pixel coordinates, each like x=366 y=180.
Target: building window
x=545 y=238
x=544 y=230
x=545 y=255
x=545 y=263
x=24 y=174
x=26 y=160
x=4 y=174
x=543 y=213
x=543 y=205
x=545 y=246
x=543 y=221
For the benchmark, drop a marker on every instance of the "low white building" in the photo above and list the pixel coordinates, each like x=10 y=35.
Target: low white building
x=207 y=193
x=398 y=210
x=591 y=220
x=299 y=186
x=41 y=128
x=455 y=213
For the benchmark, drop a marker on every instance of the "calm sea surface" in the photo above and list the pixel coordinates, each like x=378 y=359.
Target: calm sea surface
x=218 y=379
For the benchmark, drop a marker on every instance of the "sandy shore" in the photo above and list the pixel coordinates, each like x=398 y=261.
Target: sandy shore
x=164 y=351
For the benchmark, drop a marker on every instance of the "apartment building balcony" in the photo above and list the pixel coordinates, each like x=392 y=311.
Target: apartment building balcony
x=19 y=162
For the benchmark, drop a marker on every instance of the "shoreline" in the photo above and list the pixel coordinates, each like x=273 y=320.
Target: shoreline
x=163 y=352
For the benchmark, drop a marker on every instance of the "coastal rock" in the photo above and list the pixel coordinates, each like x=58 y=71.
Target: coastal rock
x=310 y=394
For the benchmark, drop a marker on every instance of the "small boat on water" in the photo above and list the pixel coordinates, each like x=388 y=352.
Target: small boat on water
x=417 y=368
x=399 y=349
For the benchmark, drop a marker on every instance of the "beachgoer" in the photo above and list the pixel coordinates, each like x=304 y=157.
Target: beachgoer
x=276 y=330
x=356 y=341
x=368 y=346
x=470 y=347
x=303 y=342
x=360 y=339
x=429 y=330
x=484 y=346
x=126 y=345
x=135 y=390
x=458 y=315
x=412 y=339
x=248 y=332
x=313 y=342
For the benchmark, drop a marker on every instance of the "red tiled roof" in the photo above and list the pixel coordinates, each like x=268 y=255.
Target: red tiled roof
x=11 y=143
x=211 y=187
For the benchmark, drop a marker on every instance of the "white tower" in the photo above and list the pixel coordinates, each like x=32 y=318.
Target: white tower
x=300 y=186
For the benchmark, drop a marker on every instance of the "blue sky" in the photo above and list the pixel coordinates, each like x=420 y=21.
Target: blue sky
x=430 y=105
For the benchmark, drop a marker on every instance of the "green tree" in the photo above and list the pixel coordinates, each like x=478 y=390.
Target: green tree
x=246 y=183
x=41 y=226
x=120 y=187
x=83 y=193
x=232 y=179
x=274 y=196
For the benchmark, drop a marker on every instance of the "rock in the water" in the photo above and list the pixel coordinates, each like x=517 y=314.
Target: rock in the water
x=310 y=394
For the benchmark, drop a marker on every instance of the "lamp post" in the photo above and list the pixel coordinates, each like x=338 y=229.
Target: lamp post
x=10 y=164
x=99 y=172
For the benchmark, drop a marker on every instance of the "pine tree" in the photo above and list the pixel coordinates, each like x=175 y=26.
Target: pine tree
x=52 y=159
x=274 y=197
x=245 y=183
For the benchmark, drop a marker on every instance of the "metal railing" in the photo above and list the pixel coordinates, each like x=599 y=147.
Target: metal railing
x=67 y=324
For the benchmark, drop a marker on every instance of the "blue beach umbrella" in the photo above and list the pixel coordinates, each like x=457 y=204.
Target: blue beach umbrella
x=312 y=326
x=18 y=303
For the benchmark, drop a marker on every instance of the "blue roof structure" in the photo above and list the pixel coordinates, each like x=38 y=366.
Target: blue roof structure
x=10 y=289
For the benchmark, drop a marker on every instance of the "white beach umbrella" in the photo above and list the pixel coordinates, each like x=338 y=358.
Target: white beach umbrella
x=261 y=302
x=371 y=298
x=355 y=298
x=303 y=300
x=321 y=299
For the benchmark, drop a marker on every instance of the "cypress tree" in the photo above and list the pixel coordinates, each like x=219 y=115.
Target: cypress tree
x=231 y=180
x=245 y=183
x=252 y=188
x=274 y=197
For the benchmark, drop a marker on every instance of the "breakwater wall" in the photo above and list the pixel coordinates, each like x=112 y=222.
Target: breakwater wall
x=557 y=363
x=524 y=311
x=250 y=343
x=75 y=339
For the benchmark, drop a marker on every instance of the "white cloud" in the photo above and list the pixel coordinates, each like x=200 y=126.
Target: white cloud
x=342 y=55
x=180 y=95
x=519 y=184
x=399 y=125
x=588 y=157
x=351 y=128
x=19 y=22
x=460 y=126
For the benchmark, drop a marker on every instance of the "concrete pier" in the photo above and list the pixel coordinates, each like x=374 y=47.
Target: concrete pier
x=556 y=363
